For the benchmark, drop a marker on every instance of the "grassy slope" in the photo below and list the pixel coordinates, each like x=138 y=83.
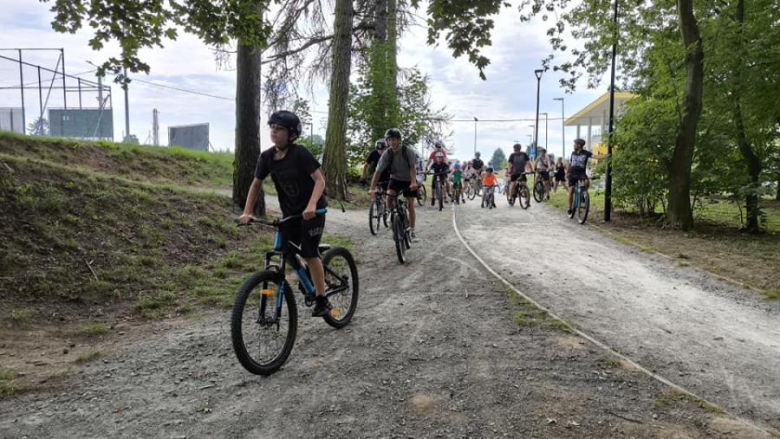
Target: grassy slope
x=149 y=245
x=135 y=162
x=716 y=244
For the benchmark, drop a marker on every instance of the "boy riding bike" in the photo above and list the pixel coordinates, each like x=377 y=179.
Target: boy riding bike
x=489 y=183
x=300 y=186
x=440 y=169
x=457 y=183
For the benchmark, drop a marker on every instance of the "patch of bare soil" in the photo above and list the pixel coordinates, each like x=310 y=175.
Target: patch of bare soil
x=753 y=260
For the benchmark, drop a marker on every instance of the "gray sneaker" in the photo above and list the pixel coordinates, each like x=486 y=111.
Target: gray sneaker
x=413 y=235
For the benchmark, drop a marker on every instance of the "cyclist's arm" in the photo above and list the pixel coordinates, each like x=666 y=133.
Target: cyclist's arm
x=413 y=174
x=249 y=206
x=316 y=193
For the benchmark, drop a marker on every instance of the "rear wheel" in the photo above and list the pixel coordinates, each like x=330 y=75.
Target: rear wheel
x=262 y=339
x=584 y=207
x=341 y=271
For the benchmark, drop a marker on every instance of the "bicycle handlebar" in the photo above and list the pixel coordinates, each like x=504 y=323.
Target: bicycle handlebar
x=276 y=223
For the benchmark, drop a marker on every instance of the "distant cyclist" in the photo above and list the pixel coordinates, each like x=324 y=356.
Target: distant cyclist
x=373 y=159
x=543 y=167
x=519 y=162
x=457 y=181
x=578 y=165
x=478 y=164
x=489 y=180
x=438 y=147
x=440 y=169
x=403 y=174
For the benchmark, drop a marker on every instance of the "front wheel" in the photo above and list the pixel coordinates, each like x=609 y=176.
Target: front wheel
x=374 y=217
x=471 y=191
x=440 y=197
x=264 y=323
x=399 y=238
x=341 y=274
x=525 y=197
x=538 y=191
x=584 y=207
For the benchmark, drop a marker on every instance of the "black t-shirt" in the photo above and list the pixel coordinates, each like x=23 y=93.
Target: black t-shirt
x=477 y=164
x=292 y=178
x=373 y=161
x=440 y=167
x=579 y=161
x=518 y=161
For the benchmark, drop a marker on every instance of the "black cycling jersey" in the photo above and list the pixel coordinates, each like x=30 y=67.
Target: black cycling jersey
x=477 y=164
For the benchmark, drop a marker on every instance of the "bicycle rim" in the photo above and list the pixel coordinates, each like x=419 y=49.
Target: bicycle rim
x=398 y=238
x=538 y=193
x=261 y=340
x=340 y=271
x=525 y=200
x=373 y=218
x=583 y=208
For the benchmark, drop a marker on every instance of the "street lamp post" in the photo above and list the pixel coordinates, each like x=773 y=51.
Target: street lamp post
x=538 y=73
x=545 y=130
x=608 y=189
x=475 y=135
x=563 y=127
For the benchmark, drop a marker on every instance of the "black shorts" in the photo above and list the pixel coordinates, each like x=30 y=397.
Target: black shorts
x=574 y=177
x=519 y=176
x=544 y=175
x=304 y=234
x=402 y=187
x=560 y=176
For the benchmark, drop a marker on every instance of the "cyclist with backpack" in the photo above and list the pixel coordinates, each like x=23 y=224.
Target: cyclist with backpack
x=300 y=186
x=401 y=161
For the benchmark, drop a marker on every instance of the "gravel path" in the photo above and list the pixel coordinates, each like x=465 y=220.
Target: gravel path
x=433 y=351
x=720 y=341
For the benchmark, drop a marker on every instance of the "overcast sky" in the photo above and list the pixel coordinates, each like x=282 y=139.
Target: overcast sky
x=508 y=93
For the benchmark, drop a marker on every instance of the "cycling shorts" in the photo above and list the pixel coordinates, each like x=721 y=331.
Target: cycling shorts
x=402 y=187
x=519 y=176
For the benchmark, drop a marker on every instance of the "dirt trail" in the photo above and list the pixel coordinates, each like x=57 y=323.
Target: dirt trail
x=433 y=351
x=720 y=341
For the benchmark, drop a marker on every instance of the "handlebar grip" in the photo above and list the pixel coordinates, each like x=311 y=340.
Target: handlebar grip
x=321 y=211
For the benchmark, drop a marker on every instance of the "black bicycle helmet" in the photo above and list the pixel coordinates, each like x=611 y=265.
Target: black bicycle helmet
x=581 y=142
x=287 y=119
x=438 y=144
x=517 y=146
x=380 y=144
x=393 y=133
x=489 y=170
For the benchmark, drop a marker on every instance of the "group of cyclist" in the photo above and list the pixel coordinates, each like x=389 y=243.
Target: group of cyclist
x=408 y=168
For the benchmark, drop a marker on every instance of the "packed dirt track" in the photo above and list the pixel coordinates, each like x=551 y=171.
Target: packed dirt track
x=437 y=348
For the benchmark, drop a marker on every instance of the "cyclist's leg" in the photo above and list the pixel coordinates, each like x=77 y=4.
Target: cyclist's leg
x=412 y=212
x=311 y=234
x=571 y=183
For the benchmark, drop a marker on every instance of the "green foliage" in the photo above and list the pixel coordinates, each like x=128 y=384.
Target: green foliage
x=467 y=27
x=499 y=159
x=141 y=25
x=418 y=120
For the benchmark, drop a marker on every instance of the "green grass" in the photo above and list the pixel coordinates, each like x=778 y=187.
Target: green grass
x=772 y=294
x=138 y=162
x=94 y=329
x=672 y=397
x=7 y=384
x=89 y=356
x=526 y=315
x=21 y=317
x=613 y=362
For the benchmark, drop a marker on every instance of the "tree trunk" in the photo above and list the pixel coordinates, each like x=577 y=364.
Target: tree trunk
x=380 y=20
x=753 y=161
x=680 y=213
x=394 y=107
x=335 y=157
x=248 y=89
